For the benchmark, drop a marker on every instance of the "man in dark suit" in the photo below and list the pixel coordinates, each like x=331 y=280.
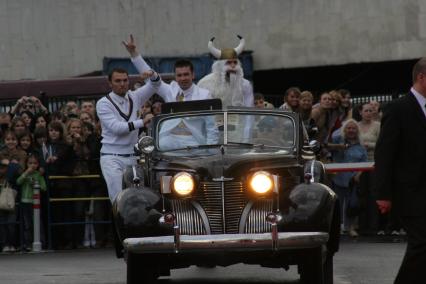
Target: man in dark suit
x=400 y=162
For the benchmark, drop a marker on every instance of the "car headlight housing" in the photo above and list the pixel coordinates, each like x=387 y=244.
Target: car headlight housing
x=261 y=182
x=145 y=144
x=183 y=183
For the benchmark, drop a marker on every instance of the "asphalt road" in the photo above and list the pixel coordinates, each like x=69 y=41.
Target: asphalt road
x=357 y=262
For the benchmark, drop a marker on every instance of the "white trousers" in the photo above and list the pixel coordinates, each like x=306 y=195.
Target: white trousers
x=113 y=168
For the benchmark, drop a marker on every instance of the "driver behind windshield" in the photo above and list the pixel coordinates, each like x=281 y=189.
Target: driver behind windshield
x=178 y=133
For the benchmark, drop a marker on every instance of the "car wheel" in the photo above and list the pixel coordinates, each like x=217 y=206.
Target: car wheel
x=312 y=269
x=328 y=269
x=139 y=271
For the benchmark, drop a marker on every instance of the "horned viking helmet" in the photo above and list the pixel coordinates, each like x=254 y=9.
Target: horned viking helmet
x=227 y=53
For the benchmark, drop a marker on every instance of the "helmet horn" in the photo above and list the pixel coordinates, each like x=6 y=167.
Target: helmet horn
x=240 y=46
x=213 y=50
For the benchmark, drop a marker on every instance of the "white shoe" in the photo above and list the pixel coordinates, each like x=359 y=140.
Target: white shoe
x=12 y=249
x=381 y=233
x=6 y=249
x=394 y=233
x=402 y=232
x=353 y=233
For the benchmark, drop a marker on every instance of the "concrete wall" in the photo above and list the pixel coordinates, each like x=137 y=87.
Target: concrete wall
x=57 y=38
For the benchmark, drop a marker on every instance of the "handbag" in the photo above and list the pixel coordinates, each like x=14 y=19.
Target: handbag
x=7 y=198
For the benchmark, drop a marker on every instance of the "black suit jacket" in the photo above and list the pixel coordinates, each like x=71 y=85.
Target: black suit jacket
x=400 y=157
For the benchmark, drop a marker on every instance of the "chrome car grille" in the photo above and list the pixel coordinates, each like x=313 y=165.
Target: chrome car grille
x=187 y=217
x=211 y=211
x=223 y=212
x=255 y=222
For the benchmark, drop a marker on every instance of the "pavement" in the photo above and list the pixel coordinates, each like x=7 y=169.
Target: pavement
x=361 y=260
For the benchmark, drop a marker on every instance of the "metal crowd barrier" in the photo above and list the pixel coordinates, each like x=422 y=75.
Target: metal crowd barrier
x=349 y=167
x=52 y=200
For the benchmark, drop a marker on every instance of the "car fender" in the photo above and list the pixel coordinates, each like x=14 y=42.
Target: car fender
x=137 y=211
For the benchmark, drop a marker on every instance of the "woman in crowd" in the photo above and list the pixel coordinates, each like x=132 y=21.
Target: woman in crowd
x=377 y=114
x=305 y=109
x=370 y=218
x=291 y=99
x=348 y=149
x=87 y=117
x=77 y=139
x=18 y=126
x=7 y=218
x=346 y=104
x=321 y=113
x=60 y=161
x=97 y=187
x=146 y=115
x=369 y=130
x=337 y=113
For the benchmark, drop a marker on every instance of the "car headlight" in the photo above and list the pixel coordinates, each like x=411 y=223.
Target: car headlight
x=183 y=183
x=262 y=182
x=145 y=144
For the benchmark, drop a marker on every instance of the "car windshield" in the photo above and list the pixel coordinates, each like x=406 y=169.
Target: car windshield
x=261 y=131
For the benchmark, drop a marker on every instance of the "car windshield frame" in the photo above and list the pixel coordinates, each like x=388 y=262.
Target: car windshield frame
x=293 y=118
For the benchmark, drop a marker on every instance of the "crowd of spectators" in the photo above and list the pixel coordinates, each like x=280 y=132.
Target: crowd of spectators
x=36 y=144
x=346 y=134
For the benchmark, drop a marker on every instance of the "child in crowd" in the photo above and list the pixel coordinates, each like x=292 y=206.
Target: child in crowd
x=26 y=181
x=25 y=142
x=11 y=151
x=18 y=126
x=39 y=120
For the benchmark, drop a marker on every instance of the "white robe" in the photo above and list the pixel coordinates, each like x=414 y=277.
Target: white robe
x=212 y=80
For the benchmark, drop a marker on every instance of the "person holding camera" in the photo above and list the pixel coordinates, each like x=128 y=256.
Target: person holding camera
x=31 y=104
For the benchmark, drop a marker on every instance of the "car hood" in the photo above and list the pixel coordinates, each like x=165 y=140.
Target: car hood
x=229 y=163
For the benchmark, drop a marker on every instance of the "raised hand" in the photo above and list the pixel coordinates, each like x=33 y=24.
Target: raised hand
x=131 y=46
x=147 y=74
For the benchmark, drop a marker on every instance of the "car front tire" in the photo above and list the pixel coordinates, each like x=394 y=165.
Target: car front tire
x=139 y=271
x=312 y=269
x=328 y=269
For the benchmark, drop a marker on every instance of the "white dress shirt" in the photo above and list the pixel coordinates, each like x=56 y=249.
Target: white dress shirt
x=169 y=92
x=420 y=99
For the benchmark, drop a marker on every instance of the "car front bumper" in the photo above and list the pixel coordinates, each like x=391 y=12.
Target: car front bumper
x=225 y=242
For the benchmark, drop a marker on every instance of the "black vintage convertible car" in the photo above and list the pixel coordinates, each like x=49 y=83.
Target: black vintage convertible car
x=220 y=187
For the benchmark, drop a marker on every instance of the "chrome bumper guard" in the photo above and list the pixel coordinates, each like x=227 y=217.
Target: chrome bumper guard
x=225 y=242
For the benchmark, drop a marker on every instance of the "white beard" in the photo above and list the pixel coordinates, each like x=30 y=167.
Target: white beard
x=226 y=87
